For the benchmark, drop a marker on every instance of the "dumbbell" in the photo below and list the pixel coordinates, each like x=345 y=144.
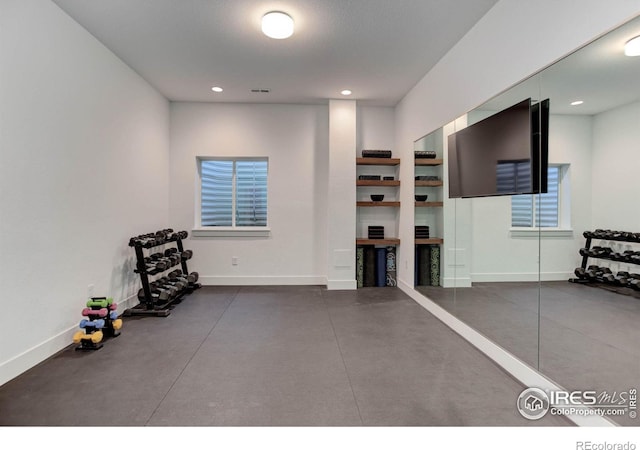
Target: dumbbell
x=94 y=337
x=155 y=296
x=622 y=278
x=102 y=312
x=178 y=284
x=580 y=273
x=116 y=324
x=98 y=323
x=113 y=315
x=187 y=254
x=170 y=251
x=179 y=235
x=99 y=303
x=600 y=252
x=191 y=278
x=161 y=288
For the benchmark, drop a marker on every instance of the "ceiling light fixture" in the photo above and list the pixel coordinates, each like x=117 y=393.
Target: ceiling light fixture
x=632 y=47
x=577 y=102
x=277 y=25
x=346 y=92
x=216 y=89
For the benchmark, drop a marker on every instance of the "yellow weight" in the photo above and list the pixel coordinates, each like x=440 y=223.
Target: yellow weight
x=117 y=324
x=94 y=337
x=77 y=337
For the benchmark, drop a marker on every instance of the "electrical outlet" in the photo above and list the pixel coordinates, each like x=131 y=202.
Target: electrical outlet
x=234 y=260
x=90 y=290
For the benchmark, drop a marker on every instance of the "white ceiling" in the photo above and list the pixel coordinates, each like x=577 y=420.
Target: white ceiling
x=598 y=74
x=377 y=48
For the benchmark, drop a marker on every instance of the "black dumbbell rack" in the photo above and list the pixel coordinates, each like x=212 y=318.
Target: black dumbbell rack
x=607 y=253
x=149 y=305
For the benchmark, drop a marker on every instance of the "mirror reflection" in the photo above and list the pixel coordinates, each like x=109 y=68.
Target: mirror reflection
x=550 y=277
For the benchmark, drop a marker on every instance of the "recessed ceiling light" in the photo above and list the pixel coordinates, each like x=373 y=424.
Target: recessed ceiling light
x=277 y=25
x=346 y=92
x=632 y=47
x=216 y=89
x=577 y=102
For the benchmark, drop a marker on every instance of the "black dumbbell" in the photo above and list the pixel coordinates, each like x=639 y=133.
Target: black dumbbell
x=187 y=254
x=155 y=295
x=160 y=287
x=580 y=273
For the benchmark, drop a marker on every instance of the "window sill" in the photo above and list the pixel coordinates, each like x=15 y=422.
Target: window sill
x=231 y=232
x=544 y=232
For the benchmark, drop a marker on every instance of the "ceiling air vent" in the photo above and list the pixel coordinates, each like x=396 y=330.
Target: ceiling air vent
x=261 y=91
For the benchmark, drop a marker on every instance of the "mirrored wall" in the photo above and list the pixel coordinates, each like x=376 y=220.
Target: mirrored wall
x=524 y=270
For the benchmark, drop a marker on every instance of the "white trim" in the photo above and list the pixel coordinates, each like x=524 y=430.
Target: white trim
x=523 y=276
x=449 y=282
x=35 y=355
x=526 y=375
x=301 y=280
x=342 y=285
x=542 y=232
x=231 y=232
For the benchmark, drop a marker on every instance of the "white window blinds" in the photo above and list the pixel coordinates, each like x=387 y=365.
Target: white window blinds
x=233 y=193
x=545 y=207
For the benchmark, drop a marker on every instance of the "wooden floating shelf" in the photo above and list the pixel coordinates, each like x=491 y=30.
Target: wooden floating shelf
x=378 y=183
x=420 y=183
x=368 y=203
x=429 y=241
x=428 y=162
x=429 y=204
x=378 y=161
x=387 y=241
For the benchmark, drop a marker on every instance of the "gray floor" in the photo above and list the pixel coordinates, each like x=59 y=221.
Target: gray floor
x=281 y=356
x=589 y=337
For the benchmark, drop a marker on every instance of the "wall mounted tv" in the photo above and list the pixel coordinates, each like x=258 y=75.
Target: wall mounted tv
x=504 y=154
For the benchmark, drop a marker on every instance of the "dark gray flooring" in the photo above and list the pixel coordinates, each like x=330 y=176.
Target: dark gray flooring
x=589 y=337
x=273 y=356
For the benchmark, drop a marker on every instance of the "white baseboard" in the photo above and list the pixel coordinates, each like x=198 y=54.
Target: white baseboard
x=342 y=285
x=524 y=276
x=35 y=355
x=262 y=280
x=450 y=282
x=528 y=376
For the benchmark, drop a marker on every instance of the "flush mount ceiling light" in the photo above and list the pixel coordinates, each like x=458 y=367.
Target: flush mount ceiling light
x=277 y=25
x=577 y=102
x=216 y=89
x=346 y=92
x=632 y=47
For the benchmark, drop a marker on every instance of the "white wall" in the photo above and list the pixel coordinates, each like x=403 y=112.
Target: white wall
x=376 y=130
x=341 y=195
x=615 y=190
x=84 y=165
x=495 y=54
x=500 y=256
x=295 y=139
x=616 y=135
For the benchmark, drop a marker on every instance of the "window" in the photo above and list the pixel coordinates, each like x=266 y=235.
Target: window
x=544 y=211
x=233 y=193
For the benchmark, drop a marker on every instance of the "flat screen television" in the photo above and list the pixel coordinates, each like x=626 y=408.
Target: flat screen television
x=504 y=154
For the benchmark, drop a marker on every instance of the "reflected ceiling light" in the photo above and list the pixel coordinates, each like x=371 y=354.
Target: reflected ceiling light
x=346 y=92
x=577 y=102
x=277 y=25
x=216 y=89
x=632 y=47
